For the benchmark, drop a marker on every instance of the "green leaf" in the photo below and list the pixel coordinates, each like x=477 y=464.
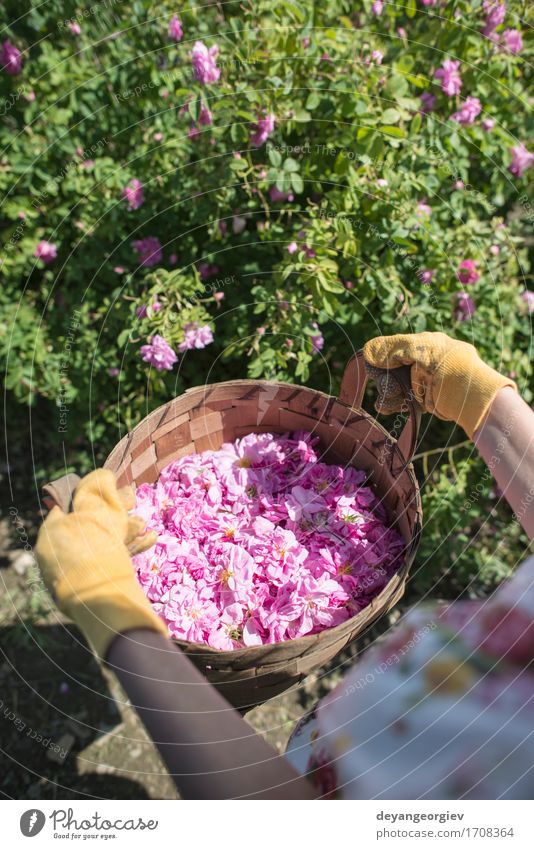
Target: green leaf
x=289 y=269
x=329 y=304
x=395 y=132
x=238 y=165
x=405 y=63
x=295 y=11
x=415 y=126
x=297 y=182
x=329 y=285
x=275 y=157
x=194 y=109
x=302 y=116
x=411 y=8
x=390 y=116
x=418 y=80
x=396 y=86
x=282 y=183
x=291 y=164
x=248 y=116
x=313 y=101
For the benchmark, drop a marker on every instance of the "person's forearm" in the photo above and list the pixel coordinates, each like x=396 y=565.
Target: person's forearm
x=505 y=440
x=209 y=749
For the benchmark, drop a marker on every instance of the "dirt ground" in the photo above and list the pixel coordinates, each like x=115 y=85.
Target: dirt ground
x=66 y=728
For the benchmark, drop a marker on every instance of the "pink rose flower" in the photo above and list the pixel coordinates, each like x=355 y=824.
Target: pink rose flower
x=512 y=41
x=148 y=250
x=488 y=124
x=205 y=118
x=428 y=102
x=377 y=56
x=207 y=270
x=10 y=58
x=195 y=337
x=468 y=111
x=528 y=298
x=176 y=32
x=467 y=272
x=465 y=307
x=276 y=195
x=451 y=81
x=262 y=129
x=133 y=194
x=75 y=28
x=423 y=210
x=292 y=248
x=317 y=339
x=46 y=251
x=521 y=160
x=159 y=354
x=205 y=68
x=495 y=13
x=426 y=275
x=377 y=8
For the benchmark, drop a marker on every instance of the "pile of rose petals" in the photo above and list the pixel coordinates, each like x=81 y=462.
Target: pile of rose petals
x=260 y=542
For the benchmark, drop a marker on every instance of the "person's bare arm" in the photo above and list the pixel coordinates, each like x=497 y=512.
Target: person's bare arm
x=209 y=749
x=505 y=440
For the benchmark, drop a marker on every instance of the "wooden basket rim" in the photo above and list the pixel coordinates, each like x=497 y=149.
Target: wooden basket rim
x=409 y=467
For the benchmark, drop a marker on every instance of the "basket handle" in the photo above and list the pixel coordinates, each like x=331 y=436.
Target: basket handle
x=60 y=492
x=393 y=385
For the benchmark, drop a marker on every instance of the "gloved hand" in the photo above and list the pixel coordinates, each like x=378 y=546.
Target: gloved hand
x=448 y=377
x=85 y=562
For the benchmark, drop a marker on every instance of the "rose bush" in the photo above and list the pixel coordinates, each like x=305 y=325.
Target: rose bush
x=195 y=193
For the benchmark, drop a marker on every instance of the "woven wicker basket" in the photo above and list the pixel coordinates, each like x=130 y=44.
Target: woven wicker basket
x=206 y=417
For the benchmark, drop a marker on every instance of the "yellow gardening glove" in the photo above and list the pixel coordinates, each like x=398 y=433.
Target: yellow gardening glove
x=448 y=377
x=85 y=562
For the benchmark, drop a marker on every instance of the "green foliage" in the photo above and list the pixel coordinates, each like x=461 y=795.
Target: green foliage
x=469 y=541
x=350 y=147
